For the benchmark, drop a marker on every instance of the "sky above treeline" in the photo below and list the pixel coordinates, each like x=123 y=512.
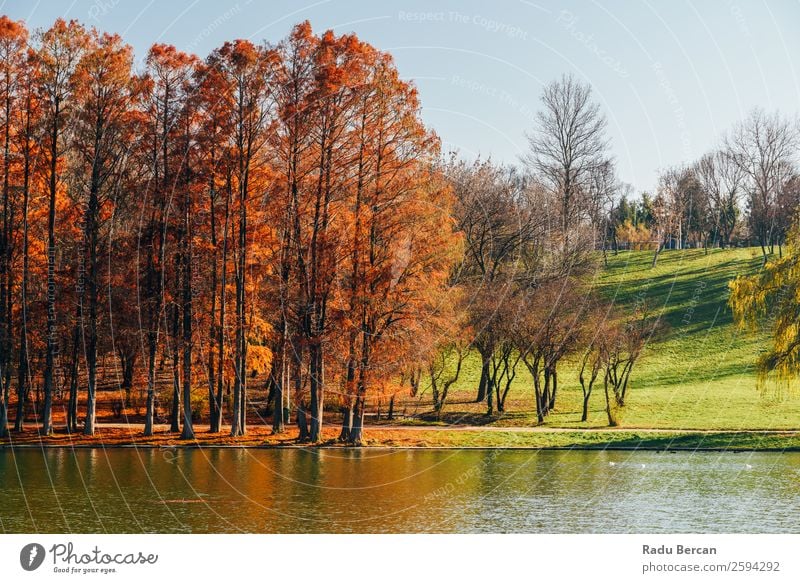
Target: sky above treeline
x=671 y=76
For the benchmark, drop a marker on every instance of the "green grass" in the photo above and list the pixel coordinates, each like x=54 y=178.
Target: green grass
x=700 y=375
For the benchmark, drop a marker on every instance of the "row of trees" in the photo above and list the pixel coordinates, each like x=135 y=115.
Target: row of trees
x=753 y=174
x=270 y=210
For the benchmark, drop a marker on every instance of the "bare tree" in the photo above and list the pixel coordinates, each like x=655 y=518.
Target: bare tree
x=665 y=213
x=787 y=202
x=603 y=189
x=678 y=208
x=622 y=345
x=722 y=180
x=764 y=147
x=442 y=375
x=569 y=145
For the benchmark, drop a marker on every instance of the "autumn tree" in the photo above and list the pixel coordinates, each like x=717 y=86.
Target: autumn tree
x=216 y=172
x=246 y=74
x=13 y=97
x=317 y=262
x=60 y=49
x=168 y=76
x=104 y=97
x=411 y=244
x=292 y=147
x=768 y=300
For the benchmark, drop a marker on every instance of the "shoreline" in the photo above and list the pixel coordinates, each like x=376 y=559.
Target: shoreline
x=447 y=438
x=406 y=448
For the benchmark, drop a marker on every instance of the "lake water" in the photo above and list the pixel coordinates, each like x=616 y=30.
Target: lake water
x=379 y=490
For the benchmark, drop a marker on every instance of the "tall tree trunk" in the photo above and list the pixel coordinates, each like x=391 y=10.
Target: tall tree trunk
x=240 y=379
x=217 y=427
x=278 y=376
x=22 y=372
x=347 y=423
x=188 y=429
x=175 y=411
x=51 y=337
x=489 y=395
x=149 y=417
x=585 y=410
x=243 y=314
x=316 y=380
x=6 y=285
x=213 y=410
x=92 y=218
x=72 y=405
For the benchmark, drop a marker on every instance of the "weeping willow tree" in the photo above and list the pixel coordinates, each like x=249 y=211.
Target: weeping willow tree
x=770 y=301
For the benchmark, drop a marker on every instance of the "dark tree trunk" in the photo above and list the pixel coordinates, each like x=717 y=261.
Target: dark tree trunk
x=546 y=393
x=277 y=387
x=357 y=431
x=347 y=424
x=655 y=255
x=316 y=381
x=489 y=396
x=538 y=396
x=174 y=415
x=240 y=379
x=217 y=426
x=414 y=380
x=612 y=420
x=554 y=376
x=585 y=411
x=127 y=361
x=51 y=336
x=483 y=380
x=72 y=406
x=22 y=372
x=186 y=309
x=92 y=218
x=5 y=267
x=302 y=422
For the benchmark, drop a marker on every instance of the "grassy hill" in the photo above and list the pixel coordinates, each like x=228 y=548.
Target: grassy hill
x=699 y=376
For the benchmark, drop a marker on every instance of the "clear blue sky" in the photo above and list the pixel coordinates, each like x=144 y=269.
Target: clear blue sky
x=671 y=75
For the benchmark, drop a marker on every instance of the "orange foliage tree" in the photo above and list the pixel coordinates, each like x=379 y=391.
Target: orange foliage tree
x=275 y=212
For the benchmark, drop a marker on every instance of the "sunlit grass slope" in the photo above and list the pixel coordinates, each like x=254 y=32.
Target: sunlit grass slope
x=700 y=375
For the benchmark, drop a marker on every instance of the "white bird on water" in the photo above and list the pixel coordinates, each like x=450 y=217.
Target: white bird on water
x=644 y=466
x=748 y=466
x=612 y=463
